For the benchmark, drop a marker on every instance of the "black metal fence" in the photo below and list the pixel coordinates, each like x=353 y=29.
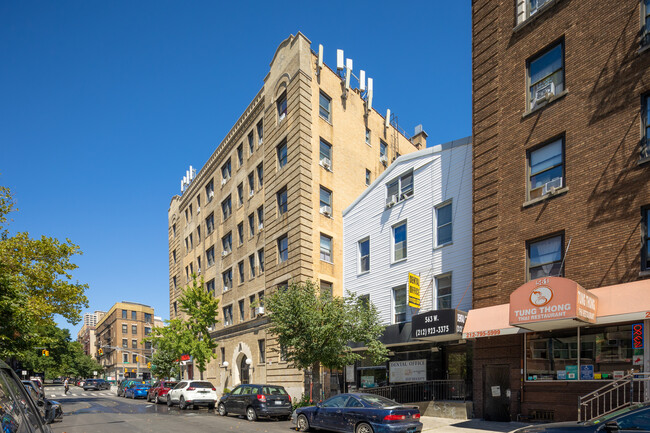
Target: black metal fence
x=423 y=391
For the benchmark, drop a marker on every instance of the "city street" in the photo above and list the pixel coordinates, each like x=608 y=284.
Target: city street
x=104 y=412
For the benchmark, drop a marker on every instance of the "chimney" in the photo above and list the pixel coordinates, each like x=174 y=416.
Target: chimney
x=419 y=139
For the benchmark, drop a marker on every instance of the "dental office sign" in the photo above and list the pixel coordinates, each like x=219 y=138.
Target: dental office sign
x=552 y=298
x=408 y=371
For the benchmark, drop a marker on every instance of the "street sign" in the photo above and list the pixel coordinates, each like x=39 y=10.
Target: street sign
x=414 y=291
x=94 y=373
x=24 y=372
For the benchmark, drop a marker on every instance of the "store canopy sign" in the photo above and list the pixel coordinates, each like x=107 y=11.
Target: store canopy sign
x=552 y=302
x=438 y=325
x=414 y=291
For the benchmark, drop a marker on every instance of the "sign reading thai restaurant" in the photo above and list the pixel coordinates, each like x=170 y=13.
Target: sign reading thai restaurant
x=408 y=371
x=552 y=298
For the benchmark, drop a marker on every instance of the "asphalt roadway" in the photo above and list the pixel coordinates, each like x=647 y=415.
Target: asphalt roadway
x=104 y=412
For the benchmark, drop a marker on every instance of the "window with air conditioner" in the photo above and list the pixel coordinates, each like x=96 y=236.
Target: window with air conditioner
x=443 y=290
x=281 y=197
x=226 y=278
x=444 y=224
x=283 y=249
x=251 y=265
x=251 y=183
x=240 y=154
x=209 y=286
x=325 y=157
x=545 y=76
x=251 y=224
x=251 y=144
x=281 y=105
x=227 y=315
x=399 y=242
x=364 y=255
x=226 y=208
x=240 y=269
x=282 y=154
x=260 y=259
x=225 y=172
x=383 y=156
x=209 y=191
x=399 y=189
x=260 y=175
x=260 y=133
x=242 y=311
x=209 y=255
x=198 y=203
x=545 y=257
x=326 y=248
x=325 y=107
x=546 y=169
x=325 y=201
x=226 y=243
x=240 y=194
x=209 y=223
x=260 y=217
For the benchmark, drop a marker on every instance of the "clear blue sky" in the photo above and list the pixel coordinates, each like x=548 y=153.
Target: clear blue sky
x=104 y=105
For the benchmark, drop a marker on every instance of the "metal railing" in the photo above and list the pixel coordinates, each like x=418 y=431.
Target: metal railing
x=423 y=391
x=629 y=390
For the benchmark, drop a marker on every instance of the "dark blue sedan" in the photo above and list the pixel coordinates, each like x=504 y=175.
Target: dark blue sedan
x=359 y=413
x=137 y=390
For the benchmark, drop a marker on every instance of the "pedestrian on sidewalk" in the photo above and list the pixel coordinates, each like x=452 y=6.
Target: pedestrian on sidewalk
x=66 y=386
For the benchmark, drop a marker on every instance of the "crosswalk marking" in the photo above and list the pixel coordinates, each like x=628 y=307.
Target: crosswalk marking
x=85 y=394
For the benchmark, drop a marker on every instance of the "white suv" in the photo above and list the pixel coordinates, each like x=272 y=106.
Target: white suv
x=192 y=393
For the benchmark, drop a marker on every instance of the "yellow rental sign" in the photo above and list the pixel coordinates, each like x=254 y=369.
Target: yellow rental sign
x=414 y=291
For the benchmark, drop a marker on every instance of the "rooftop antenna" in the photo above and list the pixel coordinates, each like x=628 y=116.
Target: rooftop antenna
x=369 y=96
x=362 y=80
x=387 y=120
x=320 y=59
x=339 y=60
x=348 y=72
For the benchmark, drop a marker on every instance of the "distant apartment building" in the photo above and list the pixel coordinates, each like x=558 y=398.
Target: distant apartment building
x=91 y=319
x=561 y=202
x=120 y=336
x=265 y=209
x=415 y=219
x=86 y=336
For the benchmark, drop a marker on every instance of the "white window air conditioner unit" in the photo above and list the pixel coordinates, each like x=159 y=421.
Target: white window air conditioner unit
x=211 y=195
x=225 y=289
x=326 y=210
x=259 y=311
x=224 y=253
x=261 y=226
x=383 y=159
x=391 y=201
x=198 y=209
x=223 y=181
x=282 y=116
x=326 y=163
x=252 y=193
x=551 y=186
x=543 y=94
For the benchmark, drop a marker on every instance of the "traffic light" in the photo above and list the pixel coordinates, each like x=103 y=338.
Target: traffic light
x=133 y=370
x=100 y=352
x=126 y=370
x=136 y=358
x=45 y=352
x=148 y=365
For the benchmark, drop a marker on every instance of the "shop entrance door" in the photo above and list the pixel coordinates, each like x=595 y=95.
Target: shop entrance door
x=496 y=393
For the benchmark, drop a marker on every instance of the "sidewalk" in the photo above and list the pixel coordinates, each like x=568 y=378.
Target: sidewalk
x=448 y=425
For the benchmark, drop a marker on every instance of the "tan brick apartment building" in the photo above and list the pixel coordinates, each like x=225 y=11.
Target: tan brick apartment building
x=86 y=336
x=561 y=188
x=266 y=207
x=120 y=333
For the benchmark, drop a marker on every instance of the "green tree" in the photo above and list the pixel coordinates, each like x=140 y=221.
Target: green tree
x=314 y=329
x=164 y=365
x=169 y=343
x=35 y=285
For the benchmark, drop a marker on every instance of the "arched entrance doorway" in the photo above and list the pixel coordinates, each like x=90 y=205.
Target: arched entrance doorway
x=244 y=370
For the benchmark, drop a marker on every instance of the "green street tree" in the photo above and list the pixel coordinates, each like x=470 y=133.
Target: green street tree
x=35 y=285
x=164 y=365
x=314 y=329
x=169 y=343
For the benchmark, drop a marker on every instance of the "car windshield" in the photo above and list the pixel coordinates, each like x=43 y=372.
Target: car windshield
x=201 y=385
x=170 y=384
x=605 y=418
x=378 y=401
x=274 y=390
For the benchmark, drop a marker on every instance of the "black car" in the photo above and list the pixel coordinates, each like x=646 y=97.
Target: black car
x=49 y=409
x=630 y=419
x=18 y=412
x=96 y=384
x=256 y=401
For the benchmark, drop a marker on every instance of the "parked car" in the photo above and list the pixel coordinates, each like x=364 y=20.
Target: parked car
x=57 y=381
x=19 y=412
x=256 y=401
x=79 y=382
x=359 y=413
x=158 y=392
x=190 y=393
x=124 y=384
x=632 y=418
x=49 y=409
x=96 y=384
x=33 y=387
x=136 y=390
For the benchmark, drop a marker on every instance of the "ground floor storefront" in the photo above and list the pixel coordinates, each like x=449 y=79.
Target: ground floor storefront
x=553 y=343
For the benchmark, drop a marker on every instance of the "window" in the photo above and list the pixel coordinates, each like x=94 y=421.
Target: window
x=283 y=354
x=240 y=154
x=240 y=233
x=174 y=282
x=191 y=241
x=282 y=201
x=367 y=177
x=251 y=184
x=227 y=280
x=251 y=144
x=252 y=303
x=399 y=242
x=240 y=194
x=260 y=175
x=260 y=298
x=546 y=76
x=545 y=169
x=226 y=208
x=251 y=224
x=545 y=257
x=533 y=6
x=209 y=287
x=187 y=217
x=367 y=136
x=443 y=224
x=240 y=268
x=283 y=249
x=187 y=273
x=260 y=259
x=241 y=311
x=124 y=313
x=125 y=358
x=134 y=344
x=325 y=201
x=261 y=345
x=209 y=223
x=382 y=151
x=226 y=243
x=227 y=315
x=325 y=107
x=400 y=305
x=326 y=288
x=134 y=329
x=645 y=254
x=147 y=330
x=198 y=264
x=364 y=255
x=443 y=284
x=282 y=107
x=198 y=234
x=251 y=265
x=191 y=213
x=209 y=191
x=125 y=343
x=325 y=158
x=325 y=248
x=174 y=230
x=225 y=172
x=645 y=112
x=365 y=301
x=282 y=154
x=134 y=358
x=125 y=329
x=399 y=189
x=209 y=254
x=147 y=345
x=260 y=217
x=175 y=308
x=134 y=315
x=223 y=355
x=260 y=133
x=198 y=203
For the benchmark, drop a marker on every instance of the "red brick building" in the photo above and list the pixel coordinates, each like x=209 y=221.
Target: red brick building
x=561 y=188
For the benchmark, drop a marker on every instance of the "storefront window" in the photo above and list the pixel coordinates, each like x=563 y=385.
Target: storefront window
x=605 y=352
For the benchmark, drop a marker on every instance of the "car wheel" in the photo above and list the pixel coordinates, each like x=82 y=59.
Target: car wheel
x=181 y=403
x=302 y=423
x=169 y=401
x=133 y=396
x=157 y=399
x=222 y=409
x=251 y=415
x=148 y=397
x=363 y=428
